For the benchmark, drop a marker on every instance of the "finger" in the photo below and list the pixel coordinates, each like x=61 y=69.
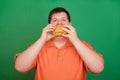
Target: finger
x=70 y=27
x=66 y=35
x=50 y=31
x=67 y=30
x=48 y=27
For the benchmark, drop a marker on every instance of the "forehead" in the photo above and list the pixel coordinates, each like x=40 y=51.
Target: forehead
x=59 y=15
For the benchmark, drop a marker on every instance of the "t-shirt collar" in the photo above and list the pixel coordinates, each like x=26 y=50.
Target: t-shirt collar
x=51 y=44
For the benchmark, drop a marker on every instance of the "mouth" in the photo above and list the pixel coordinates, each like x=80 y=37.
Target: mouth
x=59 y=36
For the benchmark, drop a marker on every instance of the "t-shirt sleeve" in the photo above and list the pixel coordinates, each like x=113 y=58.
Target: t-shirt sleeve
x=33 y=64
x=88 y=45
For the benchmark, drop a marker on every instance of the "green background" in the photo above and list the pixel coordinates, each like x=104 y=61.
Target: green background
x=96 y=21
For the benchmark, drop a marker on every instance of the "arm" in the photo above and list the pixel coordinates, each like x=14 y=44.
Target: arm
x=92 y=59
x=27 y=57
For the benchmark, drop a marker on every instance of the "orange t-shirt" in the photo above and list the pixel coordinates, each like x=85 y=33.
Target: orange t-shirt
x=53 y=63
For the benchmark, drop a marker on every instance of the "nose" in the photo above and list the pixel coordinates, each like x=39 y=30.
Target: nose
x=59 y=22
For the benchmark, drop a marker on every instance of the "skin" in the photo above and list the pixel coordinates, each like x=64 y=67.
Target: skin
x=93 y=60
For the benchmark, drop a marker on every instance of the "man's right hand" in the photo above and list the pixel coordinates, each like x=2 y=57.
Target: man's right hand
x=46 y=35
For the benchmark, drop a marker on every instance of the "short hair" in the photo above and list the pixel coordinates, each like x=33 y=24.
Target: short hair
x=58 y=10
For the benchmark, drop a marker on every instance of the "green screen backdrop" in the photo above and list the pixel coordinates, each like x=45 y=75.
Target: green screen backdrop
x=96 y=21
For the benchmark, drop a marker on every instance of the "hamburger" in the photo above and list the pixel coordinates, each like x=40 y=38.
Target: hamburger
x=58 y=30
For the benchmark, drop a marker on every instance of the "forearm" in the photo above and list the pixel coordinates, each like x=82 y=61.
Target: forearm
x=26 y=58
x=93 y=60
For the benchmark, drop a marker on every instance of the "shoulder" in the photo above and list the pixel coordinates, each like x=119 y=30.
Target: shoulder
x=48 y=43
x=85 y=42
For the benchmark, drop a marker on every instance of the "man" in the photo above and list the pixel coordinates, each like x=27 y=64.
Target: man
x=60 y=57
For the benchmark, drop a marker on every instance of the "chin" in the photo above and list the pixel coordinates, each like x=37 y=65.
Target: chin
x=59 y=36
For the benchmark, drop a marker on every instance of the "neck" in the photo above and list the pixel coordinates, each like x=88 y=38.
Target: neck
x=59 y=40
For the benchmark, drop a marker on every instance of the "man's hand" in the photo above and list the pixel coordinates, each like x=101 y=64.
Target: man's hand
x=71 y=32
x=46 y=32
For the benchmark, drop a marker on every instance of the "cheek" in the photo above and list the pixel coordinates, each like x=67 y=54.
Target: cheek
x=66 y=23
x=54 y=23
